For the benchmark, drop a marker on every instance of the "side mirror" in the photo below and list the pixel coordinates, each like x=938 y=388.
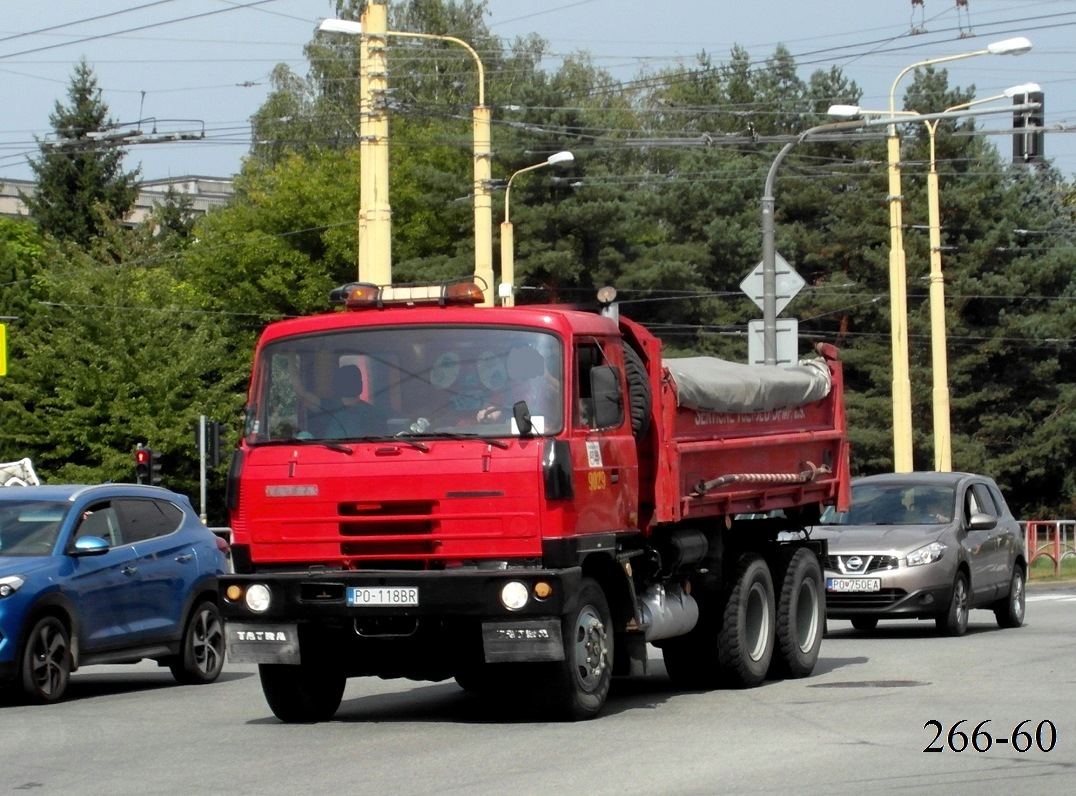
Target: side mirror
x=522 y=416
x=90 y=546
x=608 y=397
x=982 y=522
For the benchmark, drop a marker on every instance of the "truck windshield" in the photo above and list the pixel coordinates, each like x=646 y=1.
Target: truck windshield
x=406 y=381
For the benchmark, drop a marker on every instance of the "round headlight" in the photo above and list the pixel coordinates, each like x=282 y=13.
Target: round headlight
x=514 y=595
x=258 y=598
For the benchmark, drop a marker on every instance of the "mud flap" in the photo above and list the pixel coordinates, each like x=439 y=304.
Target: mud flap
x=523 y=641
x=260 y=643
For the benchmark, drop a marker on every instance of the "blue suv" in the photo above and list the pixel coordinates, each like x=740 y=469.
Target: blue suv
x=114 y=573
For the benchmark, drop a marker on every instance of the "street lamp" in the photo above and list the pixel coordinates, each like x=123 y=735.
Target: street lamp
x=508 y=272
x=769 y=248
x=902 y=394
x=943 y=448
x=374 y=26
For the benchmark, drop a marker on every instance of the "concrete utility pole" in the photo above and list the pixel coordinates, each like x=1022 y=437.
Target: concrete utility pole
x=375 y=215
x=375 y=212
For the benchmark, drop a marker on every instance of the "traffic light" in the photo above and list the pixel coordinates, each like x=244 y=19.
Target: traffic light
x=1029 y=130
x=147 y=466
x=143 y=464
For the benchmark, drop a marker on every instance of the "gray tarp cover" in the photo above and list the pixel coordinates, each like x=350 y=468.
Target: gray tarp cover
x=717 y=385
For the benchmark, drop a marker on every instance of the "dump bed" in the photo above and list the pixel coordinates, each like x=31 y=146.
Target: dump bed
x=730 y=439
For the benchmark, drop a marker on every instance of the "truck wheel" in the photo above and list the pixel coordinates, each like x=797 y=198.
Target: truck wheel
x=746 y=639
x=954 y=622
x=1009 y=611
x=801 y=615
x=202 y=656
x=576 y=687
x=301 y=694
x=46 y=661
x=639 y=398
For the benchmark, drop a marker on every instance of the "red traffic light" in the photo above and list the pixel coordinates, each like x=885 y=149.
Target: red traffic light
x=146 y=468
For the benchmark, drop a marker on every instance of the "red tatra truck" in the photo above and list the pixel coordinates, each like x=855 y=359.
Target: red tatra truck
x=522 y=498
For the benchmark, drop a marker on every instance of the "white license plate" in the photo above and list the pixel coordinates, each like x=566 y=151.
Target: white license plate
x=853 y=584
x=382 y=596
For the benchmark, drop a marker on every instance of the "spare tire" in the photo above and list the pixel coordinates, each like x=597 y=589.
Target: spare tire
x=639 y=397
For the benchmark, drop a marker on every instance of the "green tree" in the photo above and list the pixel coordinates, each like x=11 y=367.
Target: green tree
x=81 y=185
x=117 y=350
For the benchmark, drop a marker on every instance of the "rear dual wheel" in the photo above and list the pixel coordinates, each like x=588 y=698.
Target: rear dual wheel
x=801 y=614
x=733 y=642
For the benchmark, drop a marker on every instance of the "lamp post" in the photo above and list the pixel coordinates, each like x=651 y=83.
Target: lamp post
x=769 y=249
x=943 y=448
x=508 y=271
x=373 y=28
x=902 y=395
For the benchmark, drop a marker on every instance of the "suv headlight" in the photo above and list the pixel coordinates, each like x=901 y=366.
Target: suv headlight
x=926 y=555
x=9 y=584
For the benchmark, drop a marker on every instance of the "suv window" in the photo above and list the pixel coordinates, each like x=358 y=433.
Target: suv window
x=100 y=520
x=147 y=519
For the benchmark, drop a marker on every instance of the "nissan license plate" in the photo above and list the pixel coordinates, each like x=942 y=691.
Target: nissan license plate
x=380 y=596
x=853 y=584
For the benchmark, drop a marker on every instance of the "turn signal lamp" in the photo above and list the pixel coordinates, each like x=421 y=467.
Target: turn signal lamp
x=356 y=295
x=542 y=590
x=364 y=296
x=233 y=593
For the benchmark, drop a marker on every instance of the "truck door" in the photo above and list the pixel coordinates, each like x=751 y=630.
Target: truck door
x=604 y=459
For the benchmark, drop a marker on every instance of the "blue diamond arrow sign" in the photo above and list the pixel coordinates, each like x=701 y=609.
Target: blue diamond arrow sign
x=789 y=283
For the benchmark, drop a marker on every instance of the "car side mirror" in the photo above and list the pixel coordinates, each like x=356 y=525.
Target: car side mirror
x=982 y=522
x=89 y=546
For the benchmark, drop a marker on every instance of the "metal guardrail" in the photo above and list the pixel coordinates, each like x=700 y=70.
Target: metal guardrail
x=1055 y=539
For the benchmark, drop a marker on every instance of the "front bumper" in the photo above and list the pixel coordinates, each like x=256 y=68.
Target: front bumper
x=903 y=595
x=454 y=609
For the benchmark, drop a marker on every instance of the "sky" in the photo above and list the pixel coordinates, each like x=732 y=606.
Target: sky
x=203 y=66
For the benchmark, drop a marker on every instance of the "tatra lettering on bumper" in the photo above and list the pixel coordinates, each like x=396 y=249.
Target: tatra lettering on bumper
x=522 y=640
x=262 y=643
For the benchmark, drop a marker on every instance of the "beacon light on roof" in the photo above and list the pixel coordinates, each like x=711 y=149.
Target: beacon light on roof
x=362 y=295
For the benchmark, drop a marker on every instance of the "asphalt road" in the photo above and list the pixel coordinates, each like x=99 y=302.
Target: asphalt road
x=860 y=724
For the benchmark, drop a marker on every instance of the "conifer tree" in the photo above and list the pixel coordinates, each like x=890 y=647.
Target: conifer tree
x=81 y=184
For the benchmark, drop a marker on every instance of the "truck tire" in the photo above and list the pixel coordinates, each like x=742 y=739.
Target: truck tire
x=576 y=688
x=801 y=614
x=301 y=694
x=639 y=398
x=746 y=639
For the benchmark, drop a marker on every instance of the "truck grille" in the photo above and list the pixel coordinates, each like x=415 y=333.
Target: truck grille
x=396 y=518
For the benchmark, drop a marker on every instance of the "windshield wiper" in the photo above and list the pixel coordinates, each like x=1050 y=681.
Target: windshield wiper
x=405 y=435
x=333 y=446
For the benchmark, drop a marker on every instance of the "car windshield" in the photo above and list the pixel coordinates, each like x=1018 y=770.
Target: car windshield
x=895 y=504
x=30 y=528
x=411 y=383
